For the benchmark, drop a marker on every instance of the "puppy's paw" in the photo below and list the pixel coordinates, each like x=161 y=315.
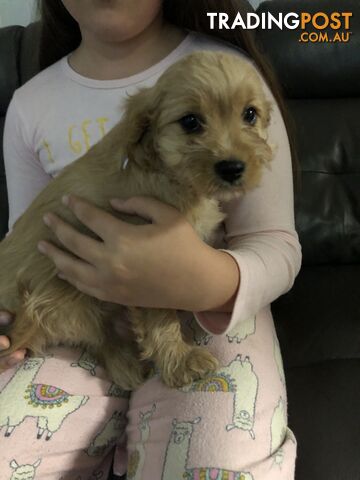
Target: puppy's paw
x=196 y=364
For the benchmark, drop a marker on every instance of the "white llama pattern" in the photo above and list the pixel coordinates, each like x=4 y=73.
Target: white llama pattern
x=87 y=362
x=21 y=398
x=242 y=330
x=278 y=456
x=109 y=435
x=278 y=359
x=23 y=472
x=177 y=456
x=239 y=333
x=246 y=387
x=278 y=432
x=137 y=457
x=239 y=378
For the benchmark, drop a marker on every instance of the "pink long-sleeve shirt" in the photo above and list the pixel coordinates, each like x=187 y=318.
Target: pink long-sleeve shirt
x=54 y=119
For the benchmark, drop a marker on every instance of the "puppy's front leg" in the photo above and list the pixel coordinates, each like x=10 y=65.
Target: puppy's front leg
x=159 y=336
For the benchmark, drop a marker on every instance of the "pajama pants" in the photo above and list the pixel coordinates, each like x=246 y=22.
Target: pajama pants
x=62 y=419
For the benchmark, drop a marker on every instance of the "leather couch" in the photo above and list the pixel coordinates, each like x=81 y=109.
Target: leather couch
x=318 y=321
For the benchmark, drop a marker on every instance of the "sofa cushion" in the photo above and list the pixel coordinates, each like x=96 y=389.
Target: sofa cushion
x=323 y=411
x=10 y=42
x=328 y=201
x=318 y=319
x=315 y=70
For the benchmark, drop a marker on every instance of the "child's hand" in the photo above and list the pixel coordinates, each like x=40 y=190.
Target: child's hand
x=162 y=264
x=138 y=265
x=9 y=360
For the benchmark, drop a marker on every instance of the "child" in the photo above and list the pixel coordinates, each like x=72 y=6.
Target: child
x=60 y=415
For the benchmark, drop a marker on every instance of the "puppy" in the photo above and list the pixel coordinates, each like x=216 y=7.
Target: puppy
x=198 y=136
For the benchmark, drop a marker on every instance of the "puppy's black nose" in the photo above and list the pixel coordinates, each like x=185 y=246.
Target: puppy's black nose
x=230 y=170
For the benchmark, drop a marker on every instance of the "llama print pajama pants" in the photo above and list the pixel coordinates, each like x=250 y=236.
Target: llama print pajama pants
x=62 y=419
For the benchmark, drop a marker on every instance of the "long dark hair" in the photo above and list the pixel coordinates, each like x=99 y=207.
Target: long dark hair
x=60 y=35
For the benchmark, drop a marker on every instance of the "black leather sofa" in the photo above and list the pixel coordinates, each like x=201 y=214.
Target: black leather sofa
x=318 y=321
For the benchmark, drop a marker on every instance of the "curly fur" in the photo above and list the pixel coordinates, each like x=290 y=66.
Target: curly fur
x=163 y=162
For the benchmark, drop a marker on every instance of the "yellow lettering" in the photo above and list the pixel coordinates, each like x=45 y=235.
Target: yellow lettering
x=102 y=121
x=74 y=145
x=84 y=126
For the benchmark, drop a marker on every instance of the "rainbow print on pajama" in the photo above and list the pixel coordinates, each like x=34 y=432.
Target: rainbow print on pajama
x=45 y=396
x=219 y=382
x=215 y=474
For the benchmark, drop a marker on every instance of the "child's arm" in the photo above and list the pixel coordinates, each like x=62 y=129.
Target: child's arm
x=25 y=178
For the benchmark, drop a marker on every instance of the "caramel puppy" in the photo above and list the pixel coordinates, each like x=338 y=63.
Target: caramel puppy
x=198 y=136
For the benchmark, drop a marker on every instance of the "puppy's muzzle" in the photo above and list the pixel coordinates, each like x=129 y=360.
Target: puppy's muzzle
x=230 y=170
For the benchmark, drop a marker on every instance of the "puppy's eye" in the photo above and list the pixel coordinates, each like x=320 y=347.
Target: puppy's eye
x=250 y=115
x=191 y=123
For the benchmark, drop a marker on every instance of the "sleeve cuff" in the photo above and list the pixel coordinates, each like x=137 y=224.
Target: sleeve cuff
x=220 y=323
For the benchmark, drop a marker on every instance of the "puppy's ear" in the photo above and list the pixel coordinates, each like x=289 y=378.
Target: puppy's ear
x=138 y=125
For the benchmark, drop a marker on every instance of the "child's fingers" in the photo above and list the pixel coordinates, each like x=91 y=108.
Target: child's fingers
x=8 y=361
x=4 y=343
x=11 y=360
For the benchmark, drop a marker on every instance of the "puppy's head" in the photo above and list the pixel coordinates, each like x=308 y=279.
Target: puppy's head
x=204 y=123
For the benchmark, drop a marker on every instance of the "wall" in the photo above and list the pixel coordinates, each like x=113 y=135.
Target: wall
x=255 y=3
x=17 y=12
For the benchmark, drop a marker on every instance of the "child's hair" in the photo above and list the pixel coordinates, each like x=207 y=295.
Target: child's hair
x=60 y=35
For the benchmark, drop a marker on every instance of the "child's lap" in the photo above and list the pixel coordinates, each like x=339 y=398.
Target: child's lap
x=230 y=425
x=60 y=419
